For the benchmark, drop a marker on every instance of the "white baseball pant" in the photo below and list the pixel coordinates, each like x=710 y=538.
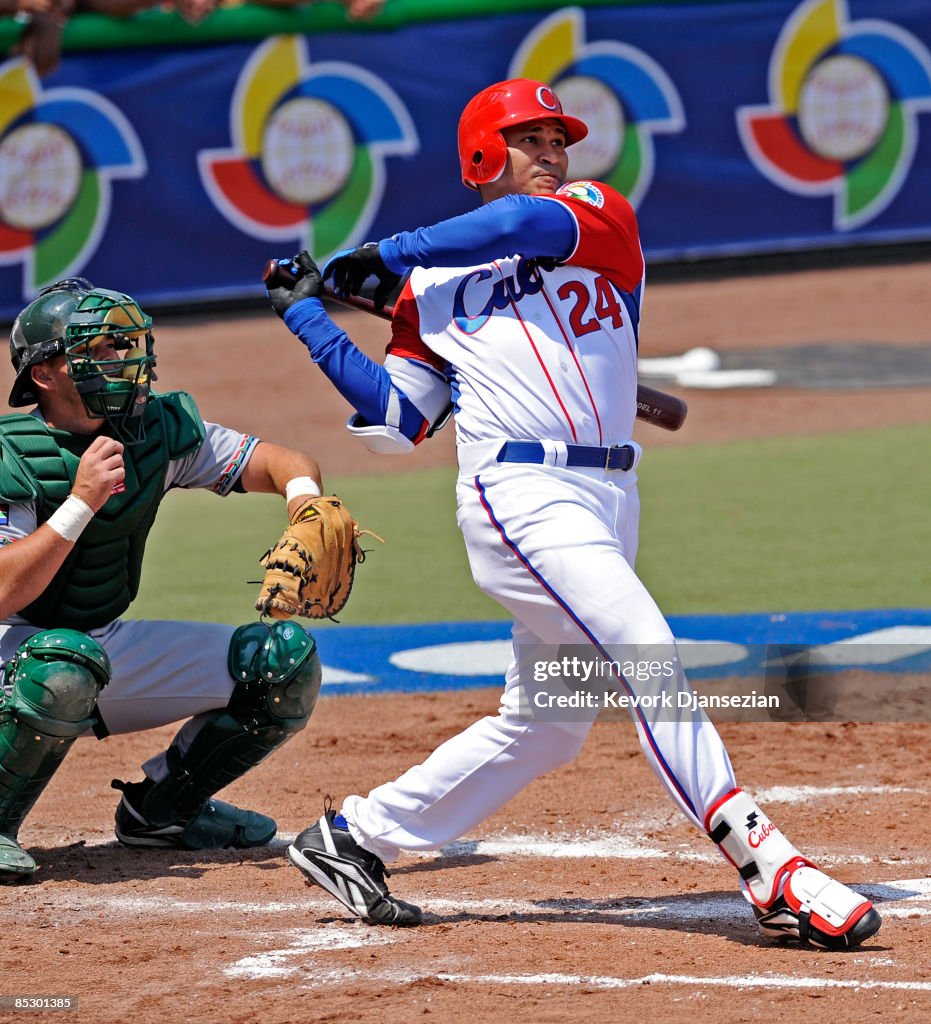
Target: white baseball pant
x=556 y=547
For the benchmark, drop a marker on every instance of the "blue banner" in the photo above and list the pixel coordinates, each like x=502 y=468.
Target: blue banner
x=173 y=174
x=463 y=655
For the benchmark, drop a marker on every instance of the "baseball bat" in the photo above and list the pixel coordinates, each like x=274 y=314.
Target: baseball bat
x=653 y=406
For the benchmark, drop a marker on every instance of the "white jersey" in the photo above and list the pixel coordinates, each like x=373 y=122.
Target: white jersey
x=533 y=353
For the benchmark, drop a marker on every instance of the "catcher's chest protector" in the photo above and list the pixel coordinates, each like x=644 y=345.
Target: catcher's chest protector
x=100 y=577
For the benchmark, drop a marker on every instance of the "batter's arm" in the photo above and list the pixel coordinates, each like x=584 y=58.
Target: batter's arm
x=529 y=225
x=379 y=394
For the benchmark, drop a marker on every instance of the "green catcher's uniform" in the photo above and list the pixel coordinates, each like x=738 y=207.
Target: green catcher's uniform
x=243 y=691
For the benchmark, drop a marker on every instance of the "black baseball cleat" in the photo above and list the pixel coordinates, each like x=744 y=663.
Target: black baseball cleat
x=816 y=910
x=328 y=856
x=216 y=826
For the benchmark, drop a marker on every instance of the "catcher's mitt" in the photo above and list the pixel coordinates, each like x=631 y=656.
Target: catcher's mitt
x=310 y=571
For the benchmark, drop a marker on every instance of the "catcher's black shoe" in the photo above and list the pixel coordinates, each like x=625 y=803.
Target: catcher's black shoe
x=816 y=910
x=216 y=826
x=328 y=856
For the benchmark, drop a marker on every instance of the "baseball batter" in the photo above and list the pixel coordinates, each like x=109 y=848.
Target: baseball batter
x=81 y=480
x=523 y=316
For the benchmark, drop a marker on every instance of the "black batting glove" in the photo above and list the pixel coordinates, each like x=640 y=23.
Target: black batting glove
x=291 y=280
x=350 y=268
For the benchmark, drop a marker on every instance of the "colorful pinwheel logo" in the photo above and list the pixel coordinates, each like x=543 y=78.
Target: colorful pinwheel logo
x=59 y=151
x=623 y=96
x=309 y=143
x=842 y=118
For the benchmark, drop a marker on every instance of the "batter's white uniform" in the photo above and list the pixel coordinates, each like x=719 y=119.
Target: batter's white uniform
x=545 y=356
x=163 y=672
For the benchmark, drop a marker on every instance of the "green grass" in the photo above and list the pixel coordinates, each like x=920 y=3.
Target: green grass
x=836 y=521
x=793 y=524
x=203 y=551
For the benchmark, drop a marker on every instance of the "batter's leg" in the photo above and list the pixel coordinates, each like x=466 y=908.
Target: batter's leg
x=562 y=567
x=471 y=775
x=569 y=579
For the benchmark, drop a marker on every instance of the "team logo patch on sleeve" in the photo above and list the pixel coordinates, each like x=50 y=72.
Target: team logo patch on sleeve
x=587 y=191
x=4 y=514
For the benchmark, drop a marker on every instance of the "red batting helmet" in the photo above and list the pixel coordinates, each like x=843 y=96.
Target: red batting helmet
x=482 y=152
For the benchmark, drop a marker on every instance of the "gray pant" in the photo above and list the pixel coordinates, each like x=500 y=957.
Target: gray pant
x=163 y=672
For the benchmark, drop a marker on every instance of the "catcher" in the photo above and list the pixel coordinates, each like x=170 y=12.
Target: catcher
x=81 y=480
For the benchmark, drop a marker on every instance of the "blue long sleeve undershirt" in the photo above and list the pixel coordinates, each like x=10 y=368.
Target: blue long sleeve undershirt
x=528 y=225
x=364 y=383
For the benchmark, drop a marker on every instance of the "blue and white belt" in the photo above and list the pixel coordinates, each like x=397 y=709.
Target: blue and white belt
x=555 y=453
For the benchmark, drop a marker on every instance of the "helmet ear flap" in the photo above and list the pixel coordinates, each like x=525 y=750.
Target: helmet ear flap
x=488 y=162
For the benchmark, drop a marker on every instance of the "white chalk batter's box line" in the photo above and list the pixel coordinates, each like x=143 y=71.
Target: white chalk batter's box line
x=737 y=981
x=601 y=846
x=275 y=965
x=906 y=898
x=304 y=957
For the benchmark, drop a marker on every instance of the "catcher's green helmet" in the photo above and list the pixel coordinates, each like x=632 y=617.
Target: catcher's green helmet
x=72 y=317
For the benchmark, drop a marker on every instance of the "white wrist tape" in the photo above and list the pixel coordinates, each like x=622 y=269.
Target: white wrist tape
x=300 y=486
x=70 y=518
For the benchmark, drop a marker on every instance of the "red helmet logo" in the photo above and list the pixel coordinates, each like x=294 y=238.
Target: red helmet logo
x=482 y=151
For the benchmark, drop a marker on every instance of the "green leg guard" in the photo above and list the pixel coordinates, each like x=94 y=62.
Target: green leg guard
x=278 y=674
x=55 y=678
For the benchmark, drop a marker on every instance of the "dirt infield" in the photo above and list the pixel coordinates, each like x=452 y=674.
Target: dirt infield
x=589 y=896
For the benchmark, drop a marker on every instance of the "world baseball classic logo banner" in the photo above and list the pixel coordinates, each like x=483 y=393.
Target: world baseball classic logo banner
x=174 y=173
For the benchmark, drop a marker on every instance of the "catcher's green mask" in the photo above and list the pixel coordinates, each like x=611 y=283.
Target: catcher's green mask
x=108 y=346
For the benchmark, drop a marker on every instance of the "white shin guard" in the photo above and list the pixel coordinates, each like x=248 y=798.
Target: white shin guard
x=752 y=843
x=814 y=908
